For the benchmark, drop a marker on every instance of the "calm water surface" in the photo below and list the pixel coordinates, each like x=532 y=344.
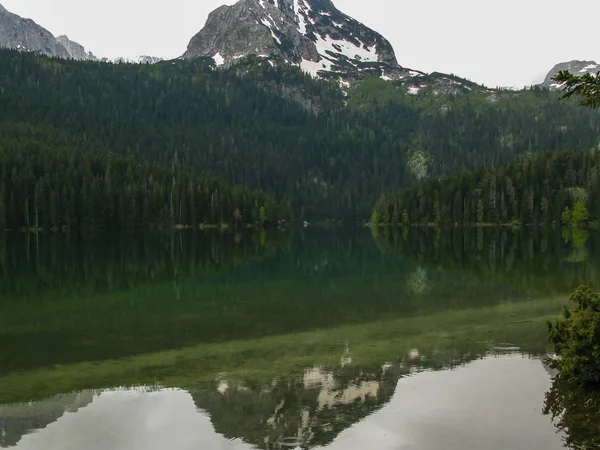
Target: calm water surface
x=336 y=340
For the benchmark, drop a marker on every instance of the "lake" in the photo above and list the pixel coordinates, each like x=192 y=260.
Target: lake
x=325 y=339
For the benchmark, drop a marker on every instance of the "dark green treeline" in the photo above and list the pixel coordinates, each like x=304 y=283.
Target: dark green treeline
x=54 y=187
x=532 y=190
x=278 y=130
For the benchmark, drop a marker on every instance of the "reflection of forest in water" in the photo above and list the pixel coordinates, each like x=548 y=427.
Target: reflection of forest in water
x=114 y=297
x=528 y=258
x=65 y=301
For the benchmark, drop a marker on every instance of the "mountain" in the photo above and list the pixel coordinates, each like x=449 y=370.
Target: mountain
x=144 y=59
x=24 y=34
x=75 y=50
x=312 y=34
x=18 y=420
x=575 y=67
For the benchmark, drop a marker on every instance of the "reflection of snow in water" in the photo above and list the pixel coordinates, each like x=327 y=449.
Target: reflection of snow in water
x=417 y=282
x=329 y=394
x=223 y=387
x=346 y=358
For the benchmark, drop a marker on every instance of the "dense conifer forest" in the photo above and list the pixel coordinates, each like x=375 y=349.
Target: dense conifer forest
x=51 y=187
x=267 y=127
x=547 y=188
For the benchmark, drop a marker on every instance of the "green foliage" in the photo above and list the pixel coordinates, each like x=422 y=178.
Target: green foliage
x=538 y=189
x=576 y=338
x=586 y=86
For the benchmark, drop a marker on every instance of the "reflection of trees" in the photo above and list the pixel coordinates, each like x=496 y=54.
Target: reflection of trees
x=417 y=282
x=54 y=266
x=527 y=259
x=121 y=296
x=576 y=412
x=577 y=237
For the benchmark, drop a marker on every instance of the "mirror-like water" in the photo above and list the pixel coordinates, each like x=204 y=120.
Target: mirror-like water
x=323 y=339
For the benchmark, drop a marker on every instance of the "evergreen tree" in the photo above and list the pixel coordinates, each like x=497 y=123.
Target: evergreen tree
x=586 y=86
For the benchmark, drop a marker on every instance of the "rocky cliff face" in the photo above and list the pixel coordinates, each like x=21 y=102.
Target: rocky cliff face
x=75 y=50
x=312 y=34
x=24 y=34
x=575 y=67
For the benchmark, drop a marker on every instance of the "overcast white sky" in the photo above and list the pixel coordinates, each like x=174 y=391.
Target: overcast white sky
x=498 y=43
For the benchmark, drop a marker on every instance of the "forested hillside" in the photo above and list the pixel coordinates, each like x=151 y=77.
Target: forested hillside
x=51 y=187
x=532 y=190
x=270 y=127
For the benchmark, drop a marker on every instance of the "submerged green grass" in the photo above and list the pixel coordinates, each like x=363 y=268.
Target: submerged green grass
x=442 y=339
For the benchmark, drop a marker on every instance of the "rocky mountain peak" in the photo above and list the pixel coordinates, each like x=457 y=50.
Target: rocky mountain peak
x=26 y=35
x=312 y=34
x=575 y=67
x=75 y=50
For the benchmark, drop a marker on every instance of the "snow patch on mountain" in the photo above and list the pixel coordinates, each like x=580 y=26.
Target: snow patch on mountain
x=219 y=60
x=327 y=46
x=589 y=68
x=300 y=15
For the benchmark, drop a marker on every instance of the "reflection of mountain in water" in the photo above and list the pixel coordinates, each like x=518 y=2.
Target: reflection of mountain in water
x=313 y=409
x=20 y=419
x=306 y=410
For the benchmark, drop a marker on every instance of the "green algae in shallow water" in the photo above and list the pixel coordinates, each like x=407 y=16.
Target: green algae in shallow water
x=465 y=334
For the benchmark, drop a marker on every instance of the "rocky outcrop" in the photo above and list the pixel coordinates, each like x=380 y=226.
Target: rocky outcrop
x=75 y=50
x=312 y=34
x=26 y=35
x=575 y=67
